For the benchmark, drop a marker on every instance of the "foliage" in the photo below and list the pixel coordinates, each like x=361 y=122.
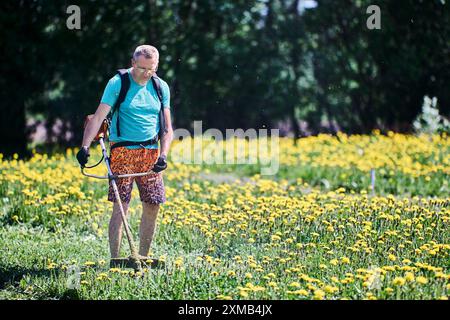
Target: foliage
x=240 y=64
x=430 y=121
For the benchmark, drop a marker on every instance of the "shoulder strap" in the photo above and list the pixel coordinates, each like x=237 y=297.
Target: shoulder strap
x=162 y=119
x=157 y=85
x=124 y=86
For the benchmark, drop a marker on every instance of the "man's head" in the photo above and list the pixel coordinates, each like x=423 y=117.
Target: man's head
x=145 y=62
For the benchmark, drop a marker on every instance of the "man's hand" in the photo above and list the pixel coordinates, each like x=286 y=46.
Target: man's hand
x=160 y=165
x=82 y=156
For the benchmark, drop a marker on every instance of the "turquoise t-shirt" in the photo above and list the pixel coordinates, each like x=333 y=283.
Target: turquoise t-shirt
x=139 y=113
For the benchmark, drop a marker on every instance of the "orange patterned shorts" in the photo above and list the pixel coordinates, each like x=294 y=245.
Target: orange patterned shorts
x=125 y=161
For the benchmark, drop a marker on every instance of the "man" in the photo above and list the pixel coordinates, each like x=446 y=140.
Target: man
x=139 y=121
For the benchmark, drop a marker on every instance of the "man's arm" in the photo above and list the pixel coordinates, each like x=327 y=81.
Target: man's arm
x=94 y=124
x=168 y=137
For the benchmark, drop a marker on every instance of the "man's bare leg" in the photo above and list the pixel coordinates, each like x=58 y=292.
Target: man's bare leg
x=147 y=227
x=115 y=229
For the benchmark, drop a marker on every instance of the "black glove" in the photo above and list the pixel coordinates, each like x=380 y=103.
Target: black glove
x=160 y=165
x=82 y=156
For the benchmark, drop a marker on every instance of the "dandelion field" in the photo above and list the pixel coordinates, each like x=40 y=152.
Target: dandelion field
x=316 y=230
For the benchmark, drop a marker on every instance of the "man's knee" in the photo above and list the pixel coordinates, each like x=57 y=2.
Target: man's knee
x=150 y=207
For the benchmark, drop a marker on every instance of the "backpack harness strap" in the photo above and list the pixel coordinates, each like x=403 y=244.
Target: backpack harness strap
x=125 y=85
x=162 y=119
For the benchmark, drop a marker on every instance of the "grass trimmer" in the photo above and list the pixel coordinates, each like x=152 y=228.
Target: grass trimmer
x=134 y=261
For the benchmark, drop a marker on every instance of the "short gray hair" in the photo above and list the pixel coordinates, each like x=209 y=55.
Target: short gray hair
x=149 y=52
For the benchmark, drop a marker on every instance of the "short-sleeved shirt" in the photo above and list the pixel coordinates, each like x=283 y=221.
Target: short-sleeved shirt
x=139 y=112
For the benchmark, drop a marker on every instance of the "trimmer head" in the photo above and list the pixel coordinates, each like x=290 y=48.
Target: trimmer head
x=131 y=262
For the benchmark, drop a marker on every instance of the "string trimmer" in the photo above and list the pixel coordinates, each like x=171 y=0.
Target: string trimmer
x=134 y=261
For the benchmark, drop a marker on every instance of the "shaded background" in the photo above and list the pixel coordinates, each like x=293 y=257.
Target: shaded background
x=302 y=66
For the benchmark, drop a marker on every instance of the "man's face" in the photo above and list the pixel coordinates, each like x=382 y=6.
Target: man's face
x=144 y=68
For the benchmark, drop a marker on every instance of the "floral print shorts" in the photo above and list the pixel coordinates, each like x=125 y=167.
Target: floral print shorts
x=125 y=161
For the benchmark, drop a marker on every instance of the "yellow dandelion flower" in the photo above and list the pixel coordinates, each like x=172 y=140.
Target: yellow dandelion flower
x=301 y=292
x=392 y=257
x=178 y=262
x=51 y=265
x=330 y=289
x=275 y=237
x=398 y=281
x=334 y=262
x=421 y=280
x=409 y=276
x=319 y=294
x=406 y=261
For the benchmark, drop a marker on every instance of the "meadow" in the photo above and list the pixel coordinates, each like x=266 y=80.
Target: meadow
x=315 y=230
